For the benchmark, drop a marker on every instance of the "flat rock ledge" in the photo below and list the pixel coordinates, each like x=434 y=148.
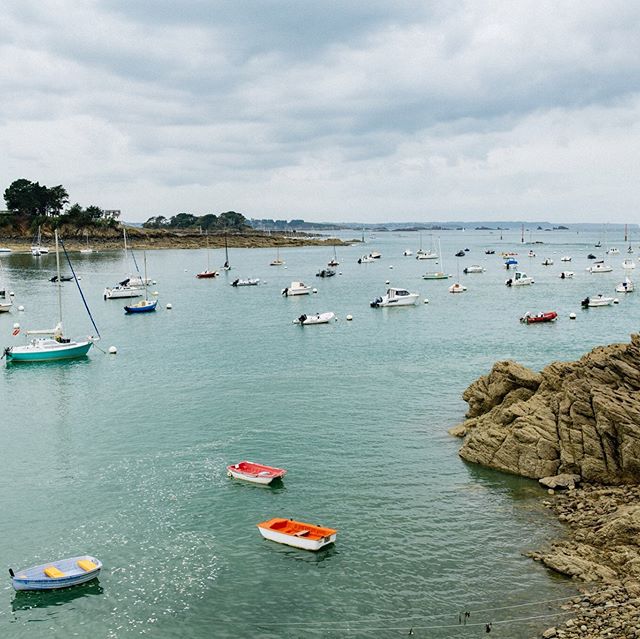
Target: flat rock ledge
x=575 y=427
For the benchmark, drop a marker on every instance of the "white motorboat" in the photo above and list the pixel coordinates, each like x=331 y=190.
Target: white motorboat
x=613 y=251
x=599 y=267
x=626 y=286
x=457 y=288
x=474 y=268
x=365 y=259
x=519 y=279
x=296 y=288
x=597 y=300
x=5 y=249
x=375 y=255
x=426 y=255
x=395 y=297
x=317 y=318
x=547 y=262
x=122 y=291
x=628 y=264
x=247 y=282
x=408 y=252
x=566 y=275
x=5 y=302
x=565 y=258
x=531 y=254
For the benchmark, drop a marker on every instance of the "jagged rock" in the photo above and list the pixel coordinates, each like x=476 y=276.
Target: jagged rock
x=580 y=418
x=565 y=480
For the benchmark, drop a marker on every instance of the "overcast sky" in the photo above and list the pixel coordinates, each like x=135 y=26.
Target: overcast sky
x=331 y=110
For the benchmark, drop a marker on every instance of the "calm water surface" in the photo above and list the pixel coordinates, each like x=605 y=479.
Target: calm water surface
x=124 y=456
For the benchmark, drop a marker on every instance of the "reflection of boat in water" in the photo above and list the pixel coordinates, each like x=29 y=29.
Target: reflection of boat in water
x=28 y=599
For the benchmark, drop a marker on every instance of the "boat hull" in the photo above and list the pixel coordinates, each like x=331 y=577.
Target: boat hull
x=122 y=293
x=31 y=353
x=35 y=579
x=320 y=537
x=320 y=318
x=255 y=473
x=147 y=308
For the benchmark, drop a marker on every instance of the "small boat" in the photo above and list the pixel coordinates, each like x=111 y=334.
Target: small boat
x=334 y=260
x=600 y=267
x=531 y=254
x=460 y=254
x=626 y=286
x=598 y=244
x=565 y=275
x=277 y=261
x=457 y=288
x=326 y=272
x=519 y=279
x=63 y=278
x=408 y=252
x=547 y=262
x=255 y=473
x=395 y=297
x=207 y=273
x=628 y=264
x=436 y=275
x=57 y=574
x=474 y=268
x=598 y=300
x=122 y=291
x=365 y=259
x=509 y=262
x=88 y=249
x=506 y=254
x=296 y=288
x=37 y=249
x=629 y=250
x=248 y=282
x=375 y=255
x=613 y=251
x=143 y=306
x=5 y=302
x=4 y=249
x=318 y=318
x=530 y=318
x=565 y=258
x=426 y=255
x=297 y=534
x=489 y=252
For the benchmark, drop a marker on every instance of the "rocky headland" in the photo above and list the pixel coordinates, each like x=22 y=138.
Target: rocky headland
x=575 y=427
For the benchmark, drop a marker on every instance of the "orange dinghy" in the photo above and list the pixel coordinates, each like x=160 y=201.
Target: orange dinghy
x=297 y=533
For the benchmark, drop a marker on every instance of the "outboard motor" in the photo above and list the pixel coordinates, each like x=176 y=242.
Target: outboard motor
x=509 y=282
x=234 y=283
x=285 y=291
x=302 y=319
x=585 y=302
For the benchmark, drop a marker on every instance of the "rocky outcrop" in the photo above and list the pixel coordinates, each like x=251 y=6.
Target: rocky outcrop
x=580 y=418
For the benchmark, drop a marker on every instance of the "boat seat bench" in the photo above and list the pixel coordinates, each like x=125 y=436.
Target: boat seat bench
x=301 y=533
x=53 y=572
x=86 y=565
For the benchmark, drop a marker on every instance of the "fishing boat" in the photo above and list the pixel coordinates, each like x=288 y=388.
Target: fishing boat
x=226 y=266
x=600 y=267
x=62 y=573
x=566 y=275
x=547 y=262
x=145 y=305
x=326 y=272
x=318 y=318
x=207 y=273
x=597 y=300
x=530 y=318
x=365 y=259
x=395 y=297
x=297 y=534
x=51 y=343
x=334 y=260
x=37 y=249
x=565 y=258
x=519 y=279
x=130 y=287
x=474 y=268
x=626 y=286
x=296 y=288
x=628 y=263
x=277 y=261
x=246 y=282
x=255 y=473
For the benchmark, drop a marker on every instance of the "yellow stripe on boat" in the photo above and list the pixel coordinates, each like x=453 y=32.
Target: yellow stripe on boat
x=53 y=572
x=86 y=565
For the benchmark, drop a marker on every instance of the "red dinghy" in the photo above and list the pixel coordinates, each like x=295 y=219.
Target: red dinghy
x=206 y=274
x=529 y=318
x=256 y=473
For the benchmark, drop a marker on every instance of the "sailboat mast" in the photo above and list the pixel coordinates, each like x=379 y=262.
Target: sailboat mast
x=58 y=279
x=207 y=236
x=146 y=295
x=226 y=252
x=522 y=235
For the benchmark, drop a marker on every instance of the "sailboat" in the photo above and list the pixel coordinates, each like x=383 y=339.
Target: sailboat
x=334 y=261
x=208 y=273
x=226 y=266
x=37 y=249
x=52 y=345
x=88 y=249
x=437 y=275
x=457 y=287
x=5 y=301
x=126 y=288
x=426 y=255
x=146 y=305
x=277 y=261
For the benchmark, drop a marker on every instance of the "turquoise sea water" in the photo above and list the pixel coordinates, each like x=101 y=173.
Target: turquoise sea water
x=124 y=456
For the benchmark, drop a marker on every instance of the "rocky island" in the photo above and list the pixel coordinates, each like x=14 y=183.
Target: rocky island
x=575 y=427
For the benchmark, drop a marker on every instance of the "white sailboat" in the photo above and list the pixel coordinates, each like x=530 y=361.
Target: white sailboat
x=5 y=298
x=334 y=261
x=37 y=249
x=129 y=287
x=51 y=343
x=437 y=275
x=88 y=249
x=277 y=261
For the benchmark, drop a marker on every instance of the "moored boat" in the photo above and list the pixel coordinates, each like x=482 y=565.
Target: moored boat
x=519 y=279
x=565 y=258
x=600 y=267
x=457 y=288
x=547 y=262
x=565 y=275
x=206 y=274
x=395 y=297
x=474 y=268
x=296 y=288
x=597 y=300
x=297 y=533
x=365 y=259
x=255 y=473
x=57 y=574
x=317 y=318
x=628 y=264
x=626 y=286
x=325 y=272
x=143 y=306
x=530 y=318
x=251 y=281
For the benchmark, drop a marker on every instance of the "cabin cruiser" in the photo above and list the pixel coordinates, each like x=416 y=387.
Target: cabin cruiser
x=598 y=300
x=395 y=297
x=519 y=279
x=296 y=288
x=626 y=286
x=365 y=259
x=326 y=272
x=474 y=268
x=600 y=267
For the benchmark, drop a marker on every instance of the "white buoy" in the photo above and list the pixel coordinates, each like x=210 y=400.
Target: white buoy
x=572 y=315
x=169 y=307
x=426 y=301
x=315 y=290
x=12 y=294
x=21 y=308
x=391 y=266
x=349 y=318
x=154 y=283
x=112 y=350
x=616 y=300
x=16 y=325
x=185 y=270
x=340 y=273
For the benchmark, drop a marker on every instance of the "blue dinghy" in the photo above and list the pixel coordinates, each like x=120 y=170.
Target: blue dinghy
x=143 y=306
x=57 y=574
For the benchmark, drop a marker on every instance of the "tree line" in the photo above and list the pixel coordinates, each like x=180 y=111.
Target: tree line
x=229 y=221
x=38 y=204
